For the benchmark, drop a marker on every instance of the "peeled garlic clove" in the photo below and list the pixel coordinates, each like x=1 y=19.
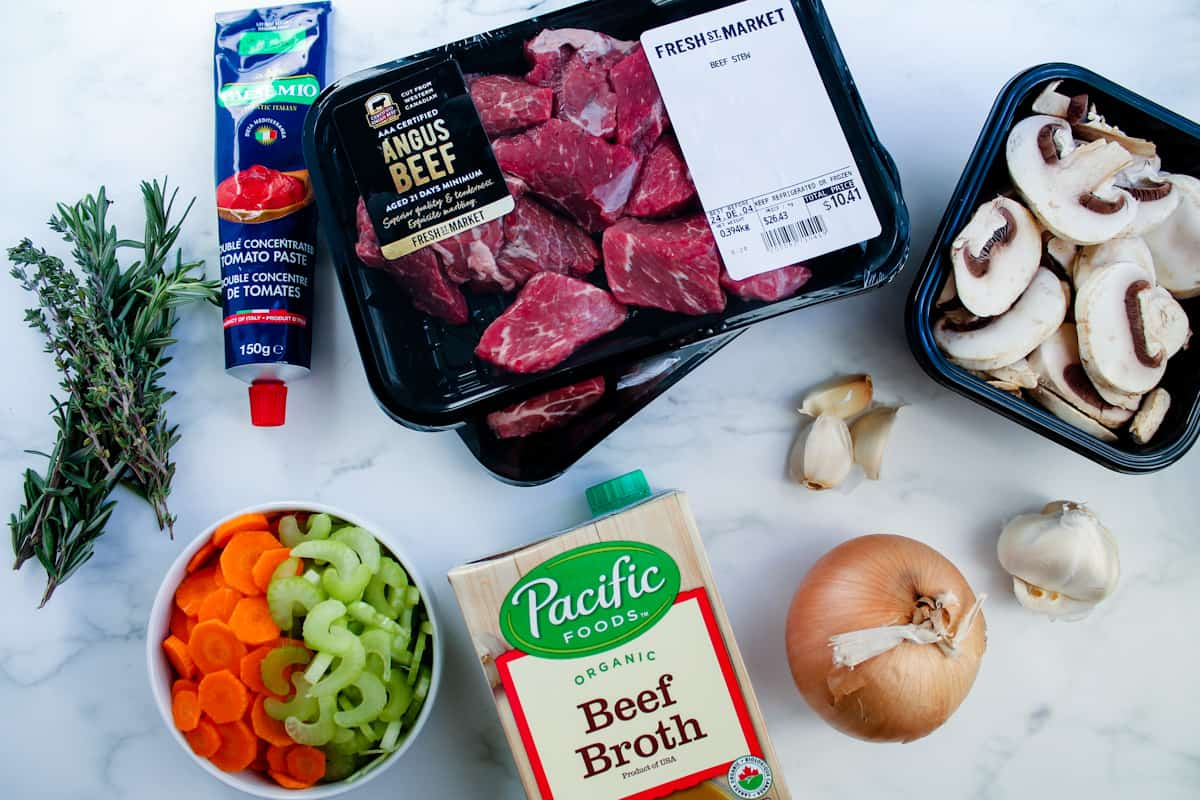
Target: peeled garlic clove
x=1064 y=550
x=1052 y=604
x=842 y=398
x=827 y=456
x=870 y=434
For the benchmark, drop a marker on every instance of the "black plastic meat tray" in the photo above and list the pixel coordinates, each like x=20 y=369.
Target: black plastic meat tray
x=424 y=372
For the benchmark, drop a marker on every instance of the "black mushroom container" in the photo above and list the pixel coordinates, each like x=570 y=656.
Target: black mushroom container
x=424 y=372
x=985 y=176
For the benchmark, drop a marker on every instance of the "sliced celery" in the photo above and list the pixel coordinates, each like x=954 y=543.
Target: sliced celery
x=300 y=705
x=285 y=570
x=350 y=665
x=319 y=633
x=391 y=734
x=418 y=653
x=312 y=576
x=314 y=733
x=319 y=526
x=374 y=697
x=412 y=596
x=347 y=588
x=386 y=590
x=288 y=596
x=361 y=542
x=419 y=694
x=338 y=763
x=378 y=643
x=329 y=552
x=369 y=615
x=400 y=696
x=276 y=662
x=400 y=643
x=316 y=670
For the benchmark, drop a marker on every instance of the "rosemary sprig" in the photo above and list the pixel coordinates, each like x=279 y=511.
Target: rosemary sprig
x=107 y=329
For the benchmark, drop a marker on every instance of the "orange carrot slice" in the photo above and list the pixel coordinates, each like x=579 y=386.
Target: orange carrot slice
x=182 y=685
x=246 y=522
x=203 y=739
x=276 y=755
x=266 y=728
x=179 y=655
x=238 y=557
x=286 y=781
x=267 y=563
x=251 y=621
x=238 y=747
x=222 y=696
x=185 y=710
x=214 y=647
x=306 y=764
x=250 y=669
x=194 y=588
x=219 y=604
x=201 y=556
x=178 y=623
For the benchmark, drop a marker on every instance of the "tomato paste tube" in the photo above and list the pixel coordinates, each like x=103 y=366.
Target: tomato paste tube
x=270 y=67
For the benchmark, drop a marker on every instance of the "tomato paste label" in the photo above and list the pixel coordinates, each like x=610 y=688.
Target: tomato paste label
x=421 y=159
x=768 y=155
x=270 y=67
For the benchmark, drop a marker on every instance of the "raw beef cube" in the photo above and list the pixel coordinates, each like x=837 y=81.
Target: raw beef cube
x=664 y=186
x=420 y=274
x=769 y=286
x=546 y=411
x=550 y=51
x=516 y=186
x=553 y=316
x=471 y=256
x=587 y=178
x=641 y=115
x=537 y=240
x=507 y=104
x=673 y=265
x=586 y=98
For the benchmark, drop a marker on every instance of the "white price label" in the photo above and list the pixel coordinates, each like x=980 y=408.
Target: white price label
x=760 y=136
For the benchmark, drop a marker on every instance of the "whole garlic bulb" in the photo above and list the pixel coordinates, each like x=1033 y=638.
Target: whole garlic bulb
x=1063 y=560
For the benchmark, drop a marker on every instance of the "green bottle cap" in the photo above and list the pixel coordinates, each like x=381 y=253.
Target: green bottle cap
x=617 y=493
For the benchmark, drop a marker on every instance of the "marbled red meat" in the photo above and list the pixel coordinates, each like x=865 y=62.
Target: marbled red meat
x=673 y=265
x=547 y=411
x=586 y=99
x=553 y=316
x=551 y=49
x=470 y=257
x=585 y=177
x=536 y=240
x=769 y=286
x=641 y=115
x=664 y=187
x=507 y=104
x=420 y=274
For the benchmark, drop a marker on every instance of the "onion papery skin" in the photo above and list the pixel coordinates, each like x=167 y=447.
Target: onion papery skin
x=872 y=581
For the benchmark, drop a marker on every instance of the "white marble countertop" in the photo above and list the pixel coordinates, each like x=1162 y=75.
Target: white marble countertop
x=117 y=92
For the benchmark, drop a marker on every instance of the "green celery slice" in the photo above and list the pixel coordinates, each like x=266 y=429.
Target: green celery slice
x=300 y=705
x=319 y=633
x=318 y=527
x=347 y=588
x=400 y=697
x=276 y=662
x=352 y=661
x=314 y=733
x=369 y=615
x=339 y=764
x=362 y=543
x=419 y=694
x=312 y=576
x=418 y=653
x=288 y=596
x=285 y=570
x=391 y=736
x=374 y=697
x=378 y=643
x=386 y=590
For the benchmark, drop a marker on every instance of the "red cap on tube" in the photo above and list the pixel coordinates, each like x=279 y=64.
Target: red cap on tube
x=268 y=403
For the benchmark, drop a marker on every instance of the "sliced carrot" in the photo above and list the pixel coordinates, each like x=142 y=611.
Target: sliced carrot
x=306 y=764
x=222 y=696
x=178 y=623
x=238 y=557
x=267 y=563
x=201 y=556
x=194 y=588
x=251 y=621
x=246 y=522
x=185 y=710
x=286 y=781
x=203 y=739
x=266 y=728
x=183 y=686
x=250 y=669
x=276 y=755
x=238 y=747
x=219 y=604
x=192 y=622
x=179 y=655
x=214 y=646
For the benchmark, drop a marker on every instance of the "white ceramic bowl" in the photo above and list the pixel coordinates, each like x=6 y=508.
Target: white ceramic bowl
x=161 y=674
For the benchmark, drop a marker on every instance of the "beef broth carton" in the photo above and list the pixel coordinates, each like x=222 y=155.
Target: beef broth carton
x=613 y=665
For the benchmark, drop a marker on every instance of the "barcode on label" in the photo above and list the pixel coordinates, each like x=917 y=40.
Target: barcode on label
x=793 y=233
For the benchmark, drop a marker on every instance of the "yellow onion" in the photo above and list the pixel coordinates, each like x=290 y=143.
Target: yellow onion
x=884 y=638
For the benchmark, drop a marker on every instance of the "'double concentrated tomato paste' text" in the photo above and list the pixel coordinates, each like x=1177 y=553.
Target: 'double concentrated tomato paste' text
x=270 y=67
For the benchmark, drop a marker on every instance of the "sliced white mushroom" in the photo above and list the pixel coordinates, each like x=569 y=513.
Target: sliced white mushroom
x=1157 y=197
x=1150 y=416
x=1019 y=374
x=1056 y=104
x=1176 y=242
x=1071 y=415
x=1124 y=248
x=1070 y=187
x=993 y=342
x=1059 y=254
x=995 y=256
x=1127 y=328
x=1058 y=368
x=949 y=292
x=1087 y=122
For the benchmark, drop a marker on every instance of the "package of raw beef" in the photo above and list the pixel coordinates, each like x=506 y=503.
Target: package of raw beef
x=515 y=214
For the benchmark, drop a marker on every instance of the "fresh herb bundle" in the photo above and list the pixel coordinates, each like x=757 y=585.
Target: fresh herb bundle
x=108 y=329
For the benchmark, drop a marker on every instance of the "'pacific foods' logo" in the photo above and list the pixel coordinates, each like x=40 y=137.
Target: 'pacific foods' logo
x=589 y=599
